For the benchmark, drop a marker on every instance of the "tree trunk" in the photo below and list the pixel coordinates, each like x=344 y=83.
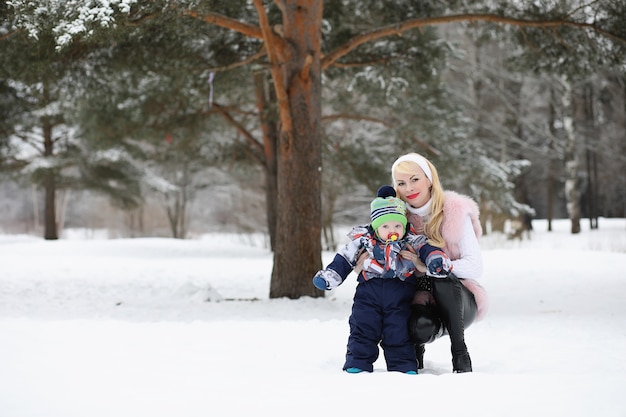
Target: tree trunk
x=36 y=223
x=184 y=200
x=550 y=196
x=134 y=221
x=296 y=72
x=175 y=208
x=592 y=194
x=49 y=183
x=266 y=105
x=50 y=223
x=572 y=192
x=590 y=130
x=551 y=169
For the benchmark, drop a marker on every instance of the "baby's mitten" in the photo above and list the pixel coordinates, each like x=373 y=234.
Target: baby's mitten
x=320 y=283
x=327 y=279
x=438 y=265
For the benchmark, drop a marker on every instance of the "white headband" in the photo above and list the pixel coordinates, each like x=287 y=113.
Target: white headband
x=415 y=158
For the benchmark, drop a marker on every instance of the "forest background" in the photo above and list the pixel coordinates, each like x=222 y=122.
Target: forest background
x=175 y=118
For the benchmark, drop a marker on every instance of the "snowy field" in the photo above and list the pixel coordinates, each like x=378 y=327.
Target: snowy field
x=91 y=327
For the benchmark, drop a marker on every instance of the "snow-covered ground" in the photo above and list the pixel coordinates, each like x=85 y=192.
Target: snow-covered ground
x=91 y=327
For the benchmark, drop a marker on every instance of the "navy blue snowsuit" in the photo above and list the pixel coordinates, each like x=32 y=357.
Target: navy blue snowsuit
x=382 y=301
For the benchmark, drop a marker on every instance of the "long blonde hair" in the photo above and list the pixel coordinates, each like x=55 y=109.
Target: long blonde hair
x=432 y=229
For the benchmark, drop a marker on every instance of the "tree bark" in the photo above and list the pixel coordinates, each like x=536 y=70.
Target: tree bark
x=49 y=181
x=50 y=223
x=572 y=191
x=266 y=106
x=589 y=131
x=551 y=169
x=296 y=72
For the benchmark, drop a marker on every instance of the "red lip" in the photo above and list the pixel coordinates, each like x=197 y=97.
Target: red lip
x=412 y=196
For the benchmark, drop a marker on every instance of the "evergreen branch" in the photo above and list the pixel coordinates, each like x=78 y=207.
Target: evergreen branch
x=399 y=28
x=12 y=164
x=390 y=125
x=31 y=142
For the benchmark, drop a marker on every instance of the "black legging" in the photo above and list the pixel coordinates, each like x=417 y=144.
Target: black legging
x=454 y=309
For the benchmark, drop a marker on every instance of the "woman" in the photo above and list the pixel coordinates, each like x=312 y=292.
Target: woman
x=450 y=221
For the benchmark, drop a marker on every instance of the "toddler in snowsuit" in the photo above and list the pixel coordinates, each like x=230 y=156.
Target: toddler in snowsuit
x=382 y=301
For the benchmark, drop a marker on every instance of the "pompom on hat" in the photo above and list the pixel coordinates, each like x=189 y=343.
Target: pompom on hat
x=387 y=207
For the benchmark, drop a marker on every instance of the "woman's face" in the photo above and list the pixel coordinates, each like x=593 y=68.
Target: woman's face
x=413 y=188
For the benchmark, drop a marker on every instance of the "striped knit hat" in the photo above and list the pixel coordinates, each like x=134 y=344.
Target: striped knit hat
x=387 y=207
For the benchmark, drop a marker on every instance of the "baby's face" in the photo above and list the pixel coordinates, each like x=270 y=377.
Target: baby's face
x=390 y=231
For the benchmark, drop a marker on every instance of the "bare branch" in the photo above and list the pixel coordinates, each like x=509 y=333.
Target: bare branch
x=399 y=28
x=362 y=64
x=271 y=46
x=357 y=117
x=136 y=21
x=426 y=146
x=8 y=35
x=226 y=22
x=256 y=145
x=251 y=58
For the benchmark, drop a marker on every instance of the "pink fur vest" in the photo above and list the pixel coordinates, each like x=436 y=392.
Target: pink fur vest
x=455 y=209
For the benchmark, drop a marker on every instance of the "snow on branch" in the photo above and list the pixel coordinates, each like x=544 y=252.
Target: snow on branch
x=71 y=17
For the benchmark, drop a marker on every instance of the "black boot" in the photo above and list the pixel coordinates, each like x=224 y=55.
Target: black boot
x=455 y=302
x=461 y=362
x=424 y=327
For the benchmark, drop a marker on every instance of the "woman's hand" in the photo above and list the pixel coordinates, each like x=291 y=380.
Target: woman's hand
x=410 y=255
x=359 y=262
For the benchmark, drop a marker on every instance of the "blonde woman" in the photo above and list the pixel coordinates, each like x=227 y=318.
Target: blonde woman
x=449 y=220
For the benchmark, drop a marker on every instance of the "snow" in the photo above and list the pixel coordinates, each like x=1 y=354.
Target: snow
x=120 y=328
